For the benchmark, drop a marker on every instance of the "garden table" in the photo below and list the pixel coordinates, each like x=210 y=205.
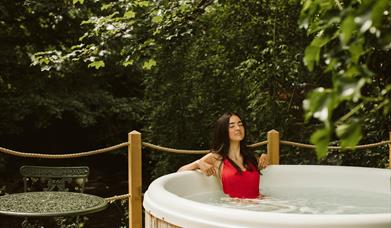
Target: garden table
x=50 y=204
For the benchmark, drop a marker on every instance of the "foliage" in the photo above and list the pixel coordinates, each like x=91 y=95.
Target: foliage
x=207 y=54
x=70 y=107
x=129 y=30
x=170 y=68
x=239 y=57
x=351 y=43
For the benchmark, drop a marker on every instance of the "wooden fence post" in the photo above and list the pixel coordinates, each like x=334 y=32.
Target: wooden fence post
x=134 y=178
x=273 y=147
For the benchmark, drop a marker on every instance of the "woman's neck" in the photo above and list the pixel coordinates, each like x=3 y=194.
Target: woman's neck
x=235 y=155
x=234 y=150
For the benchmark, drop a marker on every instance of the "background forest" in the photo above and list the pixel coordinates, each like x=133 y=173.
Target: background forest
x=78 y=75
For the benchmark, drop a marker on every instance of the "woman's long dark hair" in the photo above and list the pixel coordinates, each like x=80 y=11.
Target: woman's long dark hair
x=221 y=142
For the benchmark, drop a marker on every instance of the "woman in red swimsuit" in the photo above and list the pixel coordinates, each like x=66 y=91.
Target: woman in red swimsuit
x=230 y=160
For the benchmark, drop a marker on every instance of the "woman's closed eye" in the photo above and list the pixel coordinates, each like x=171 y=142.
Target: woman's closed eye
x=231 y=125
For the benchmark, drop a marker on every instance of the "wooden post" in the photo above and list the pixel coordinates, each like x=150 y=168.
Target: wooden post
x=273 y=147
x=389 y=150
x=134 y=177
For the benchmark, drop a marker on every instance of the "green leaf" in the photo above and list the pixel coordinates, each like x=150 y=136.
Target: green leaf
x=142 y=3
x=129 y=14
x=307 y=12
x=97 y=64
x=311 y=56
x=347 y=28
x=387 y=107
x=78 y=1
x=157 y=19
x=105 y=6
x=349 y=88
x=352 y=72
x=84 y=36
x=319 y=104
x=320 y=41
x=321 y=139
x=128 y=63
x=307 y=4
x=356 y=50
x=378 y=11
x=183 y=8
x=149 y=64
x=44 y=60
x=350 y=133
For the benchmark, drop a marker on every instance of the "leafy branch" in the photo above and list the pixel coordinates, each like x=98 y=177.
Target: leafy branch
x=344 y=42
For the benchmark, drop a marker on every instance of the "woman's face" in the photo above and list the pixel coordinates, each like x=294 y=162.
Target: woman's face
x=235 y=129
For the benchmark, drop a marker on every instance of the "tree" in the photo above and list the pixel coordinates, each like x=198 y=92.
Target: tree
x=39 y=109
x=219 y=56
x=351 y=44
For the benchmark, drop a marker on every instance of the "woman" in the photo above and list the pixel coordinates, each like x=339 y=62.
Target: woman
x=230 y=160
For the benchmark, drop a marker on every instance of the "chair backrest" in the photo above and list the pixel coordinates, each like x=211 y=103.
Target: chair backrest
x=47 y=178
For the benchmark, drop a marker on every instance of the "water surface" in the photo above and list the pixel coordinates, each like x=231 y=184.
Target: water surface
x=305 y=201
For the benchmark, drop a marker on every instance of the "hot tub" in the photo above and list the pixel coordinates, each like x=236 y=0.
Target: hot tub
x=171 y=200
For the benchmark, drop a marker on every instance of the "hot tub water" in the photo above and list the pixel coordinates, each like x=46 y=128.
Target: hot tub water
x=304 y=201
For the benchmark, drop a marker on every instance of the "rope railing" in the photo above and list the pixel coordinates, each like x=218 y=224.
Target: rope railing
x=310 y=146
x=63 y=156
x=258 y=144
x=108 y=149
x=171 y=150
x=181 y=151
x=117 y=197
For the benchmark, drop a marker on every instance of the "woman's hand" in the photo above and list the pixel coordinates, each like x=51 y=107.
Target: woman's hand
x=203 y=164
x=263 y=161
x=206 y=168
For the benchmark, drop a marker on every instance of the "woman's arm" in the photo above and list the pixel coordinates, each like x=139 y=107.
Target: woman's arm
x=191 y=166
x=206 y=164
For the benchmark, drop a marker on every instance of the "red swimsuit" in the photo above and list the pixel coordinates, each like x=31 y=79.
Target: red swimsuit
x=239 y=185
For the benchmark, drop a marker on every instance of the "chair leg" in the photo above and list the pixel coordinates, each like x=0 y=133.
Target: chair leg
x=68 y=222
x=28 y=224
